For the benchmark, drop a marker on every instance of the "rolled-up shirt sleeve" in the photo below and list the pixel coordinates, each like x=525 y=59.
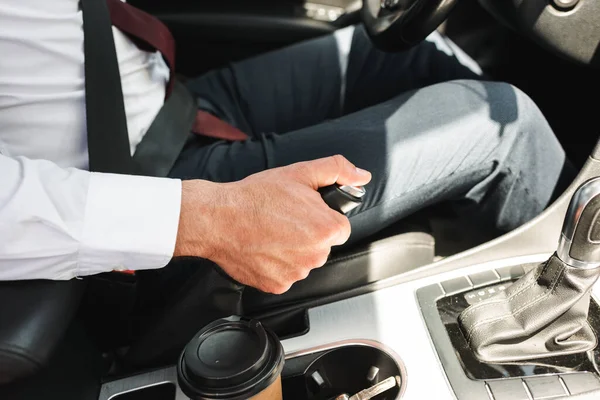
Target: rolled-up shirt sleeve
x=58 y=223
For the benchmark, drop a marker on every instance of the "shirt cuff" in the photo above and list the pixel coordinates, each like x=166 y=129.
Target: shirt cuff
x=130 y=223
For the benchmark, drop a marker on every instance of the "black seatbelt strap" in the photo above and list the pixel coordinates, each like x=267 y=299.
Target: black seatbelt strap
x=157 y=152
x=110 y=297
x=108 y=140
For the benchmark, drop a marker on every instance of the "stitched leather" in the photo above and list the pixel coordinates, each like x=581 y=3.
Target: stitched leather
x=543 y=314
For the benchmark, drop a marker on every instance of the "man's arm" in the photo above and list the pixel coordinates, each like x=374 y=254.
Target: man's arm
x=267 y=231
x=60 y=223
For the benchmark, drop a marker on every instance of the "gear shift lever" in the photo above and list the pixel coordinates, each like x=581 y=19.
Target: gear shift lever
x=545 y=312
x=579 y=244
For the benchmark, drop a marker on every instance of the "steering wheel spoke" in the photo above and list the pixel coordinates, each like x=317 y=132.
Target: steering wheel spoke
x=396 y=25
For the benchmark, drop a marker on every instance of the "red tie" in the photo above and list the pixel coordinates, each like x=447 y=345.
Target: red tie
x=150 y=34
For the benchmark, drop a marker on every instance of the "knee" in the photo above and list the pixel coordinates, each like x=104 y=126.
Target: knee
x=524 y=136
x=511 y=105
x=508 y=107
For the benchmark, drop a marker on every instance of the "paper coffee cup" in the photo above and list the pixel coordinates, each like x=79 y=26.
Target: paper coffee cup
x=232 y=359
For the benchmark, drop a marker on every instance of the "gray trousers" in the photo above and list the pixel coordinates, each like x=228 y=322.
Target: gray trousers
x=423 y=122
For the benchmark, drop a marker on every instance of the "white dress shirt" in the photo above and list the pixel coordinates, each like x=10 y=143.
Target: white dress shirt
x=57 y=220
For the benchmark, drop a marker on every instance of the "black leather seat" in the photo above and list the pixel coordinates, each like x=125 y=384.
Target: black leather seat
x=34 y=316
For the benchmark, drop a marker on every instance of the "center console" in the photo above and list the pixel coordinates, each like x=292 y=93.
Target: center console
x=544 y=378
x=412 y=328
x=409 y=330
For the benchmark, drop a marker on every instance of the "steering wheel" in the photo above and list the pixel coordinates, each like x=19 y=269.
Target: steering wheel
x=396 y=25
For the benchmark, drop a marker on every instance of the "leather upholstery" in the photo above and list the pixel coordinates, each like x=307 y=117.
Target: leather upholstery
x=543 y=314
x=34 y=316
x=357 y=267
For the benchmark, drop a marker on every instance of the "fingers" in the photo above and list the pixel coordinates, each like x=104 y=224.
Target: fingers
x=344 y=231
x=335 y=169
x=335 y=228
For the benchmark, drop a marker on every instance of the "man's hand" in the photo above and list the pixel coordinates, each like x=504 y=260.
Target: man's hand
x=270 y=229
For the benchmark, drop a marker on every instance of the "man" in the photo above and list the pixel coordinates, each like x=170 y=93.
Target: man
x=313 y=111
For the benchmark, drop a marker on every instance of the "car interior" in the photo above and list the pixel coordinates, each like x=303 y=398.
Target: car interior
x=392 y=305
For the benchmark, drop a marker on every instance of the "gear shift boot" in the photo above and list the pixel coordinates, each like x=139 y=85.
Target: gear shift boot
x=543 y=314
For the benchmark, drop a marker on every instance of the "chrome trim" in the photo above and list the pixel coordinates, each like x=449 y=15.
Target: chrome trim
x=354 y=191
x=359 y=342
x=581 y=198
x=564 y=246
x=112 y=389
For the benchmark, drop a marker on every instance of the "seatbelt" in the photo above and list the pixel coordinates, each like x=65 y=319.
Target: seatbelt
x=157 y=152
x=150 y=34
x=114 y=294
x=108 y=139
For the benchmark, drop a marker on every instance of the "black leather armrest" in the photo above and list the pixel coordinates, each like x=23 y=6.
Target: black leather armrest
x=34 y=316
x=354 y=268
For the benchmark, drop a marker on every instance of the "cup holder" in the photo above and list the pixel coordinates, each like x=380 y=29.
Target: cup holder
x=320 y=373
x=344 y=369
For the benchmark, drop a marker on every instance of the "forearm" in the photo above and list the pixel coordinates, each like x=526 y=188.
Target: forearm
x=197 y=211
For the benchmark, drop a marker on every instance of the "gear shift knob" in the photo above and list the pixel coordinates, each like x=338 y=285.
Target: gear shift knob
x=579 y=243
x=545 y=313
x=342 y=199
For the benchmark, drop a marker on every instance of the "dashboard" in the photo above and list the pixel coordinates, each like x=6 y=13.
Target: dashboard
x=570 y=28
